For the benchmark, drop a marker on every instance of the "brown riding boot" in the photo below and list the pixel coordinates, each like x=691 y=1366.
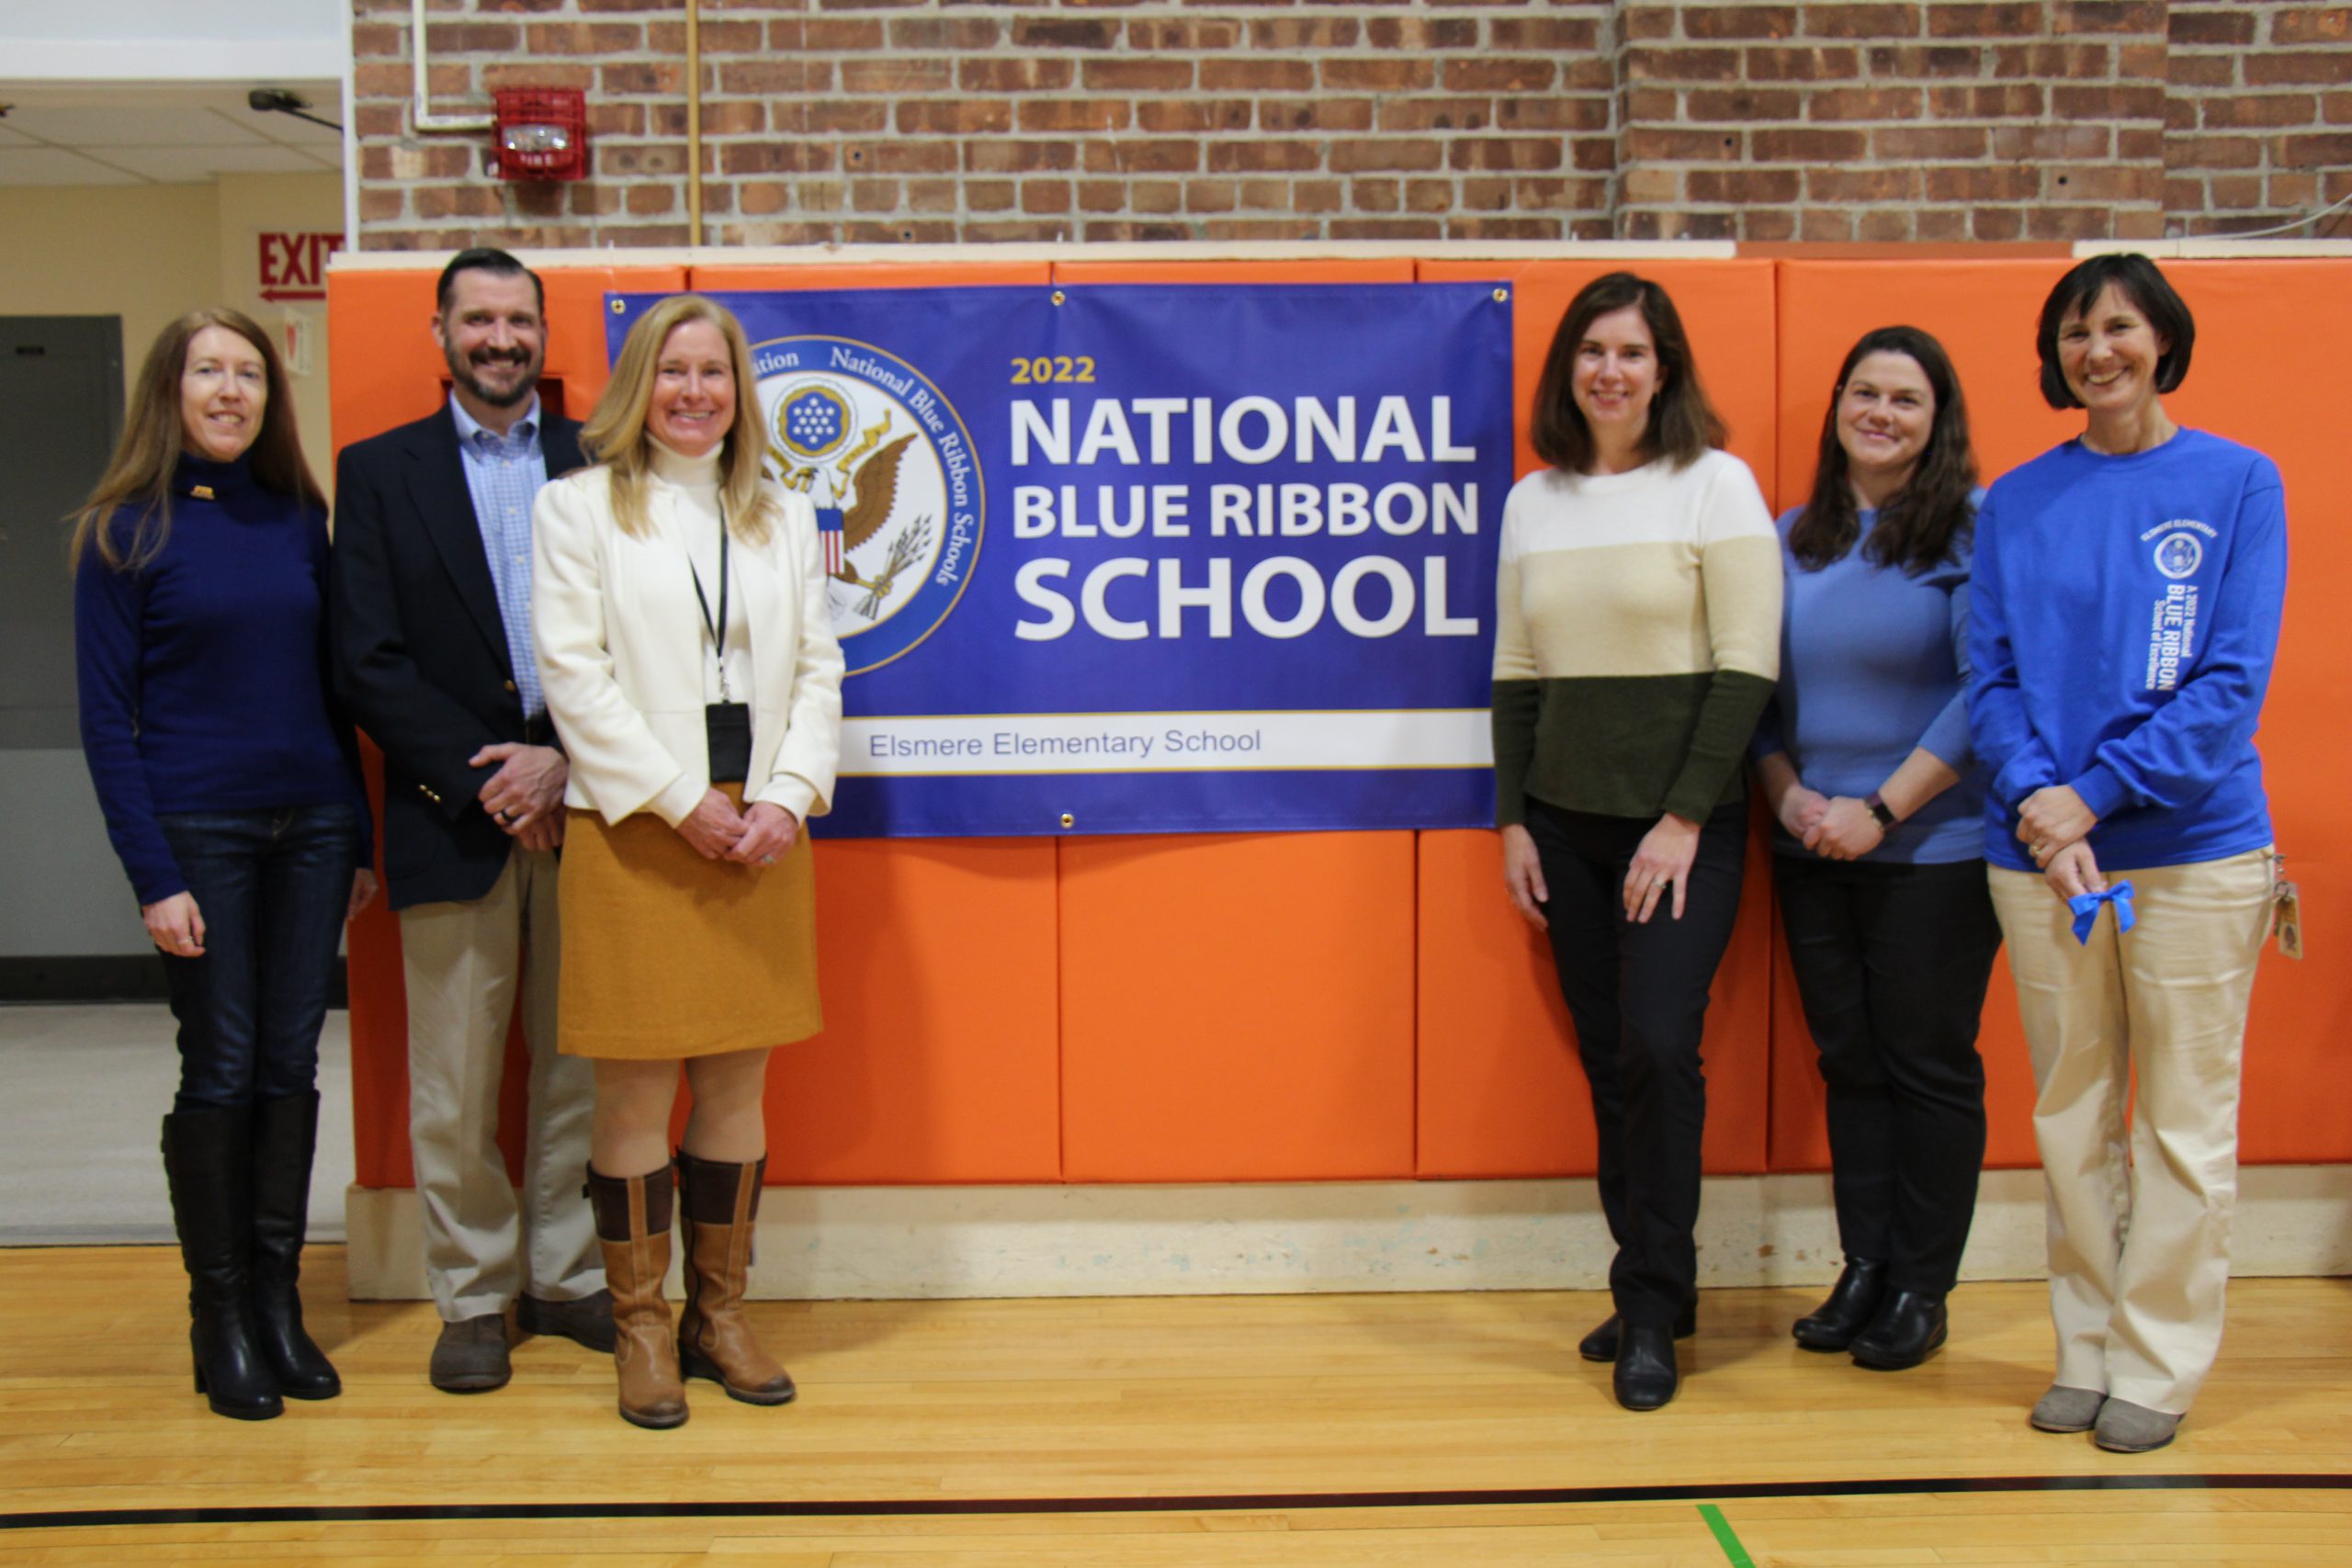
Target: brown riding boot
x=633 y=1226
x=714 y=1337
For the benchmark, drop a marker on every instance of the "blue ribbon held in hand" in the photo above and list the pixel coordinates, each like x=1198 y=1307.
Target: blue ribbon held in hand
x=2085 y=909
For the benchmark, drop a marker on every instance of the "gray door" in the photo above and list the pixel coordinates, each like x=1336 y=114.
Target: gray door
x=61 y=406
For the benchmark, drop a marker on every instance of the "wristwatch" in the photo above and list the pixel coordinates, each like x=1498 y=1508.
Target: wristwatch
x=1887 y=820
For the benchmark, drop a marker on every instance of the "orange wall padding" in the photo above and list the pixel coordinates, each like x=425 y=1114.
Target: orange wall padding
x=1325 y=1006
x=1237 y=1007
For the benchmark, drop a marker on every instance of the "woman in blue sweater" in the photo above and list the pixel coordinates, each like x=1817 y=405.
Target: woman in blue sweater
x=1865 y=761
x=232 y=793
x=2127 y=591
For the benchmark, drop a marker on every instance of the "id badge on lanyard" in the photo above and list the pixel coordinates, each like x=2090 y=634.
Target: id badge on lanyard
x=726 y=724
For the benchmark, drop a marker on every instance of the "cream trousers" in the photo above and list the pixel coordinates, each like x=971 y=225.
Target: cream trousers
x=485 y=1242
x=2139 y=1238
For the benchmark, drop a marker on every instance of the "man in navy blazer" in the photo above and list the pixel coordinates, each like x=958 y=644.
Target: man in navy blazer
x=431 y=583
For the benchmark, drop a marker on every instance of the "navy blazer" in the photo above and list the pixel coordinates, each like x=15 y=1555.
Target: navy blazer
x=420 y=648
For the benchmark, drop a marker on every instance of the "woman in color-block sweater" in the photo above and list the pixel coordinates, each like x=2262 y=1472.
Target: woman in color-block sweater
x=231 y=788
x=2126 y=608
x=1637 y=633
x=1879 y=858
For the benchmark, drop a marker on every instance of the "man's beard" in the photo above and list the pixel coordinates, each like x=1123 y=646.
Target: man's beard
x=462 y=371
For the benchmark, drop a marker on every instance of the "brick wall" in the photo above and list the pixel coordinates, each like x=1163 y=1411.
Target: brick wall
x=2258 y=115
x=936 y=120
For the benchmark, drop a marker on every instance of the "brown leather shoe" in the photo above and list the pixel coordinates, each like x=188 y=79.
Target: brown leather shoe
x=715 y=1338
x=587 y=1321
x=633 y=1228
x=470 y=1355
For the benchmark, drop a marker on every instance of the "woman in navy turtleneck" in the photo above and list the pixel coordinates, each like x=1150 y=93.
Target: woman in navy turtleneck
x=232 y=793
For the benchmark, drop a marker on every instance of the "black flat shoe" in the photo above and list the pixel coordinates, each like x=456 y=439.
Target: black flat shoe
x=1852 y=1302
x=1910 y=1326
x=1646 y=1377
x=1600 y=1345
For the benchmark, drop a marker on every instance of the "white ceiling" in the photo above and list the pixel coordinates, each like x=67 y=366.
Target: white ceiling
x=130 y=134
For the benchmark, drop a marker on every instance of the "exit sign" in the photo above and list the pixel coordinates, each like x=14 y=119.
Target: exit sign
x=294 y=266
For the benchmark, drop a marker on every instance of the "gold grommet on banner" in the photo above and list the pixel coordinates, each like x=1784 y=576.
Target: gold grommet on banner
x=1068 y=820
x=620 y=306
x=1501 y=295
x=1058 y=296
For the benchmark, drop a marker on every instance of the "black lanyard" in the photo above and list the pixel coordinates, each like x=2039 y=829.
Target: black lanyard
x=718 y=627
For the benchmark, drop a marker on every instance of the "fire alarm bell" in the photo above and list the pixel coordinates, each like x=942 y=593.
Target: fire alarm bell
x=542 y=133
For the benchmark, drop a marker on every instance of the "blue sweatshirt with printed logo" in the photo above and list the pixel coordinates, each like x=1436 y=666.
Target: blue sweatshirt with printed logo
x=2123 y=623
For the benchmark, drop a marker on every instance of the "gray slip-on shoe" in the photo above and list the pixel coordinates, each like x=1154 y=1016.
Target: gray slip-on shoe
x=470 y=1355
x=2064 y=1409
x=2128 y=1429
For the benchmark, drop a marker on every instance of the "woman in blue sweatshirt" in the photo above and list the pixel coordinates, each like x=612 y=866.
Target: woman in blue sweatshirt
x=2125 y=614
x=1880 y=857
x=232 y=793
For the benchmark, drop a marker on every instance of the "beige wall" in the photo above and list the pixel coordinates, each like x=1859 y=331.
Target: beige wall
x=147 y=253
x=250 y=205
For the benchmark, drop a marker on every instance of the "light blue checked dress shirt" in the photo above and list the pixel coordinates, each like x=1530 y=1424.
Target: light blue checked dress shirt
x=505 y=473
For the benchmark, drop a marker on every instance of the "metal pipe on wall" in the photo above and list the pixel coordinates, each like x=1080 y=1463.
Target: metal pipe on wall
x=423 y=119
x=693 y=122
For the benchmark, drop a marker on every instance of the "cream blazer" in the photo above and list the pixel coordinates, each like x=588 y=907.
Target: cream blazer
x=619 y=633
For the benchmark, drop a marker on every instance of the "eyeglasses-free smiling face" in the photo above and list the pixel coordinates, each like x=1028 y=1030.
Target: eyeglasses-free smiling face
x=2109 y=354
x=694 y=390
x=492 y=336
x=1616 y=378
x=224 y=391
x=1886 y=411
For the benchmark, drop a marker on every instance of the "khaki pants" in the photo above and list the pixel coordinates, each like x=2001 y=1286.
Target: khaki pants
x=484 y=1241
x=2139 y=1246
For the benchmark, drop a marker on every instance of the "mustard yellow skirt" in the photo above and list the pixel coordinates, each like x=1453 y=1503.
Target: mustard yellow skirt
x=668 y=955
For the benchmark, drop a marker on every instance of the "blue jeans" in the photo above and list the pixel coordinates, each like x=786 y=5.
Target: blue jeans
x=272 y=887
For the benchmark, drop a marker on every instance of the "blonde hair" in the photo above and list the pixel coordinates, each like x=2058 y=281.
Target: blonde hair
x=154 y=435
x=616 y=436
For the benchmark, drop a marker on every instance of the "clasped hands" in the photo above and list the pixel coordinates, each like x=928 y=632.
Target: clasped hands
x=2054 y=826
x=1833 y=827
x=525 y=796
x=755 y=837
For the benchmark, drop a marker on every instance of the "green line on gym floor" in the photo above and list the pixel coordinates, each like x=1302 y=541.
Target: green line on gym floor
x=1724 y=1538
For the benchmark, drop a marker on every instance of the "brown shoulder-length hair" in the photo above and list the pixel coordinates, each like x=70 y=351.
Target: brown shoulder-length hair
x=616 y=436
x=1683 y=424
x=139 y=476
x=1921 y=523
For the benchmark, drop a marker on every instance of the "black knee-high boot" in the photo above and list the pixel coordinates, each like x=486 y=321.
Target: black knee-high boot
x=284 y=1139
x=208 y=1162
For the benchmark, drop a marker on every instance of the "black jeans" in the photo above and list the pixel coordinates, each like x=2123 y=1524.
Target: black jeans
x=1891 y=962
x=272 y=887
x=1639 y=994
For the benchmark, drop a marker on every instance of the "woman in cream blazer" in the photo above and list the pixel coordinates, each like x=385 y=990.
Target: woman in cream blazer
x=687 y=652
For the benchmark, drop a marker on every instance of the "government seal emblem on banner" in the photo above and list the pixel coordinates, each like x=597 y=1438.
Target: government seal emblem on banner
x=890 y=464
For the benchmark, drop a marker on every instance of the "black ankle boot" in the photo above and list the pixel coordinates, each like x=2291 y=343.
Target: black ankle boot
x=284 y=1139
x=1646 y=1377
x=1852 y=1299
x=1600 y=1345
x=206 y=1162
x=1910 y=1326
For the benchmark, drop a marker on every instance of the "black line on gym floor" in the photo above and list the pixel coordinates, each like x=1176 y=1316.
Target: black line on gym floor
x=1246 y=1502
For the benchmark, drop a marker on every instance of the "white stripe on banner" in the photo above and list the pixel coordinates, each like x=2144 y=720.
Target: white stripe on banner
x=1165 y=742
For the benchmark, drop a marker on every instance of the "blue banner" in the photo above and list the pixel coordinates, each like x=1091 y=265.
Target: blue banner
x=1149 y=559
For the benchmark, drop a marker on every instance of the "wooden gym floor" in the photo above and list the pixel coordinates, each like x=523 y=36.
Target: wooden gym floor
x=1255 y=1430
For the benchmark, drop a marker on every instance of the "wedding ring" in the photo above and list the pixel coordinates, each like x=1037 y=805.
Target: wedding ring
x=767 y=860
